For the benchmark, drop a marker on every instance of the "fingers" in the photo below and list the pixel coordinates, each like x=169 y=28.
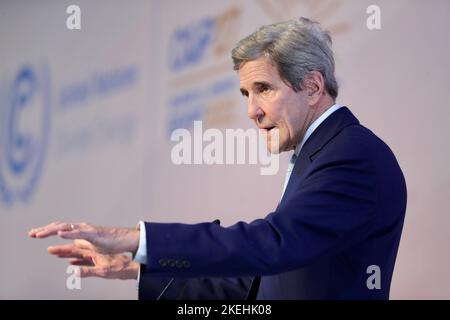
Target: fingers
x=35 y=231
x=64 y=230
x=50 y=229
x=101 y=272
x=105 y=272
x=109 y=267
x=64 y=251
x=81 y=262
x=70 y=251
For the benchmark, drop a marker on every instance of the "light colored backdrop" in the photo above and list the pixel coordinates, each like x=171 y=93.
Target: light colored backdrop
x=115 y=89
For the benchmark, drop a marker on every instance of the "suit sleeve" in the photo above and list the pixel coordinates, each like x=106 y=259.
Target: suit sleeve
x=331 y=209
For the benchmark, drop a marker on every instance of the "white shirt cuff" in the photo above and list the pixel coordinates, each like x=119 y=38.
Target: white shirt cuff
x=141 y=254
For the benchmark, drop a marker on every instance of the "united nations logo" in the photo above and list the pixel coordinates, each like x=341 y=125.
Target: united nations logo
x=25 y=121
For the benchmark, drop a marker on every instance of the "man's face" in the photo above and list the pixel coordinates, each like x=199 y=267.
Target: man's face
x=273 y=104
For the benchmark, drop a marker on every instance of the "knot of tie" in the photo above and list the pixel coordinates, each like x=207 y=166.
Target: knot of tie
x=293 y=158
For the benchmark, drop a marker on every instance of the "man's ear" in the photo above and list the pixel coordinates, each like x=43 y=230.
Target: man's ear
x=314 y=86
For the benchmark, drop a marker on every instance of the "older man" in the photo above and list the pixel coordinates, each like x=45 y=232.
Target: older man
x=336 y=231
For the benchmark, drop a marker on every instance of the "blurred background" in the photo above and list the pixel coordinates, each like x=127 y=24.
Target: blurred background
x=86 y=117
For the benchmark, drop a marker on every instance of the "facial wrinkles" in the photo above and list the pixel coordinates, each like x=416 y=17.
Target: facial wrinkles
x=249 y=78
x=280 y=108
x=259 y=71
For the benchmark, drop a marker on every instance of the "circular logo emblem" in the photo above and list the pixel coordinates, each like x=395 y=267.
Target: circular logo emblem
x=24 y=136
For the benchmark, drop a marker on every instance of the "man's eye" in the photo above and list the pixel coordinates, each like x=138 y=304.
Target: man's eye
x=263 y=88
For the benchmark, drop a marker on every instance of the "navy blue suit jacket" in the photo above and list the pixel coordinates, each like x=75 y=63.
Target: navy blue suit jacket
x=342 y=212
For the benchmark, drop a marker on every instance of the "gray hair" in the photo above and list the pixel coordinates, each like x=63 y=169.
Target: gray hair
x=296 y=47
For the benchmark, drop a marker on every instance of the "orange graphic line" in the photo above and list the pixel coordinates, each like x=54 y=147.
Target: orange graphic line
x=199 y=75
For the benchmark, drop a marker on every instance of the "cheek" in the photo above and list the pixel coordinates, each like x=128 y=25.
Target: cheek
x=285 y=133
x=274 y=111
x=290 y=119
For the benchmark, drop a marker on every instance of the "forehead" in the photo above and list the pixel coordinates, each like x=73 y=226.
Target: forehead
x=259 y=70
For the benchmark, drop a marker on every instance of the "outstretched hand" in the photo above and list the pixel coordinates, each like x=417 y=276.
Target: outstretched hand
x=94 y=264
x=105 y=240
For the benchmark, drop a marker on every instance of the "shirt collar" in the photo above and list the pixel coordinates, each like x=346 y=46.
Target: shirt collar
x=314 y=126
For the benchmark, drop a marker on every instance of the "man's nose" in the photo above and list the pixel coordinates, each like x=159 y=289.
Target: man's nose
x=253 y=110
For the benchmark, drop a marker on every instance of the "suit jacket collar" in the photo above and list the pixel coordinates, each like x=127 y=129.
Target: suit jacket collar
x=327 y=130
